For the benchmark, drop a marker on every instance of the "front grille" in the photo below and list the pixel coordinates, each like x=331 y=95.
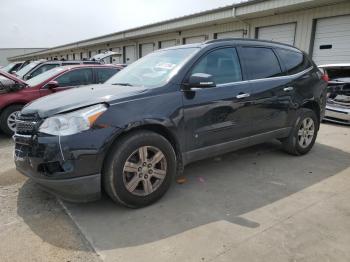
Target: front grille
x=27 y=124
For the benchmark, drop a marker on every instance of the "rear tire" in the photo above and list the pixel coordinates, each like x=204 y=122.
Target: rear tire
x=139 y=169
x=7 y=118
x=304 y=133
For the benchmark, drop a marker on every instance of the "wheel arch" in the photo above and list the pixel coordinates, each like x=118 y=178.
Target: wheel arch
x=314 y=106
x=158 y=129
x=12 y=104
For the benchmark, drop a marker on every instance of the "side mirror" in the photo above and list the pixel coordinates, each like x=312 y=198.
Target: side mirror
x=13 y=72
x=201 y=80
x=52 y=84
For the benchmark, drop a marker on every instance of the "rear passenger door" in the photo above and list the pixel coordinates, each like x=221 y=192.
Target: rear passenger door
x=301 y=77
x=270 y=102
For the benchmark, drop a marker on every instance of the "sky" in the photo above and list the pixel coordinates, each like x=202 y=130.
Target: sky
x=48 y=23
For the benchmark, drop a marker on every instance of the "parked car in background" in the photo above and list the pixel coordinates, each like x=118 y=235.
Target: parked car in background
x=338 y=93
x=17 y=92
x=169 y=108
x=14 y=67
x=38 y=67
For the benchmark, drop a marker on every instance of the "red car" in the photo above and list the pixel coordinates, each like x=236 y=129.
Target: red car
x=15 y=93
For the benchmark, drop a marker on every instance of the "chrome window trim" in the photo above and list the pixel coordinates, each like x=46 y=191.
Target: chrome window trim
x=265 y=79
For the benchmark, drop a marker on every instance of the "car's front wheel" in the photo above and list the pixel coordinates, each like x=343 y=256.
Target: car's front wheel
x=8 y=119
x=139 y=169
x=303 y=134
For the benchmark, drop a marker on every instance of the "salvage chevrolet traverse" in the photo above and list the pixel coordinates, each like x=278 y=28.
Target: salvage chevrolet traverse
x=130 y=136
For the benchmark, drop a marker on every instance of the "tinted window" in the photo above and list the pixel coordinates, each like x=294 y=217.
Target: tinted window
x=294 y=62
x=260 y=62
x=222 y=64
x=76 y=78
x=337 y=73
x=103 y=74
x=16 y=66
x=43 y=69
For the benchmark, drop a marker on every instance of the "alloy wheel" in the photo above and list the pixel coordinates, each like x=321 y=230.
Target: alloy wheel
x=306 y=132
x=144 y=170
x=11 y=121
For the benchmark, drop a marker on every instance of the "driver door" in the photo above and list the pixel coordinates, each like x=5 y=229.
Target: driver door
x=218 y=114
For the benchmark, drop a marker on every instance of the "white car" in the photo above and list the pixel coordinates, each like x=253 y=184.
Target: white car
x=338 y=95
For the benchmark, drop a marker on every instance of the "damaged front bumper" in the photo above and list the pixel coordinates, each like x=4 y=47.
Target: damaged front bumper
x=67 y=166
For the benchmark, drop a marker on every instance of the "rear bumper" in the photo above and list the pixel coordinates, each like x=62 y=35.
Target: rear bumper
x=337 y=114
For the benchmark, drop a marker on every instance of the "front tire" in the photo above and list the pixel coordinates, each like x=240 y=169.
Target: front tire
x=139 y=169
x=7 y=119
x=304 y=133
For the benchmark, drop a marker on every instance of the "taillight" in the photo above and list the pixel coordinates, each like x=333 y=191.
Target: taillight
x=325 y=77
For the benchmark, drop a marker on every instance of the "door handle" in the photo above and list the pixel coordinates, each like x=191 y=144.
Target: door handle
x=242 y=95
x=287 y=89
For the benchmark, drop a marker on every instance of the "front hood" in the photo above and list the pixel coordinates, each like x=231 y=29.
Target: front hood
x=80 y=97
x=12 y=77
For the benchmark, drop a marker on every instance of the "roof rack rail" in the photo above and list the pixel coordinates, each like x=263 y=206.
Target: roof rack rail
x=224 y=39
x=247 y=39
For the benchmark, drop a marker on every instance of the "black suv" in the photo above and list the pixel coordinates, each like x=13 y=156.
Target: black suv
x=132 y=135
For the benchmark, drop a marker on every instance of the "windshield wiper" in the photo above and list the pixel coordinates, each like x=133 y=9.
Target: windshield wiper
x=122 y=84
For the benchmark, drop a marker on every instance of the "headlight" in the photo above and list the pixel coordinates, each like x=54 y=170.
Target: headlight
x=72 y=123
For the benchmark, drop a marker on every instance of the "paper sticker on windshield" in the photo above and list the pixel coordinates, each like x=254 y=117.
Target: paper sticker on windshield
x=167 y=66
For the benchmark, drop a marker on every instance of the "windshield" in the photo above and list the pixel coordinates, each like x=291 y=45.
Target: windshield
x=44 y=76
x=155 y=69
x=26 y=69
x=8 y=67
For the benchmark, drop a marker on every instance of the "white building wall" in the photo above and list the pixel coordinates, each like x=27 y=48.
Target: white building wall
x=251 y=17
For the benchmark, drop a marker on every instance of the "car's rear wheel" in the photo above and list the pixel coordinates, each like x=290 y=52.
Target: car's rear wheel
x=8 y=119
x=139 y=169
x=304 y=133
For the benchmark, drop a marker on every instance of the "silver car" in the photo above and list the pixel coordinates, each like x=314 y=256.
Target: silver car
x=338 y=95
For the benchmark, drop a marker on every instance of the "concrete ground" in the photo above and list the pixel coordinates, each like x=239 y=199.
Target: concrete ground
x=256 y=204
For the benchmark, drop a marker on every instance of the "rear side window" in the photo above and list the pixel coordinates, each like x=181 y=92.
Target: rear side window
x=43 y=69
x=103 y=74
x=222 y=64
x=76 y=78
x=294 y=62
x=260 y=62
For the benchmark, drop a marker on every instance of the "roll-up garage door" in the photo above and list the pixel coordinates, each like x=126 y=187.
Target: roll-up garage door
x=145 y=49
x=93 y=53
x=167 y=43
x=129 y=54
x=85 y=55
x=278 y=33
x=194 y=39
x=117 y=59
x=230 y=34
x=332 y=40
